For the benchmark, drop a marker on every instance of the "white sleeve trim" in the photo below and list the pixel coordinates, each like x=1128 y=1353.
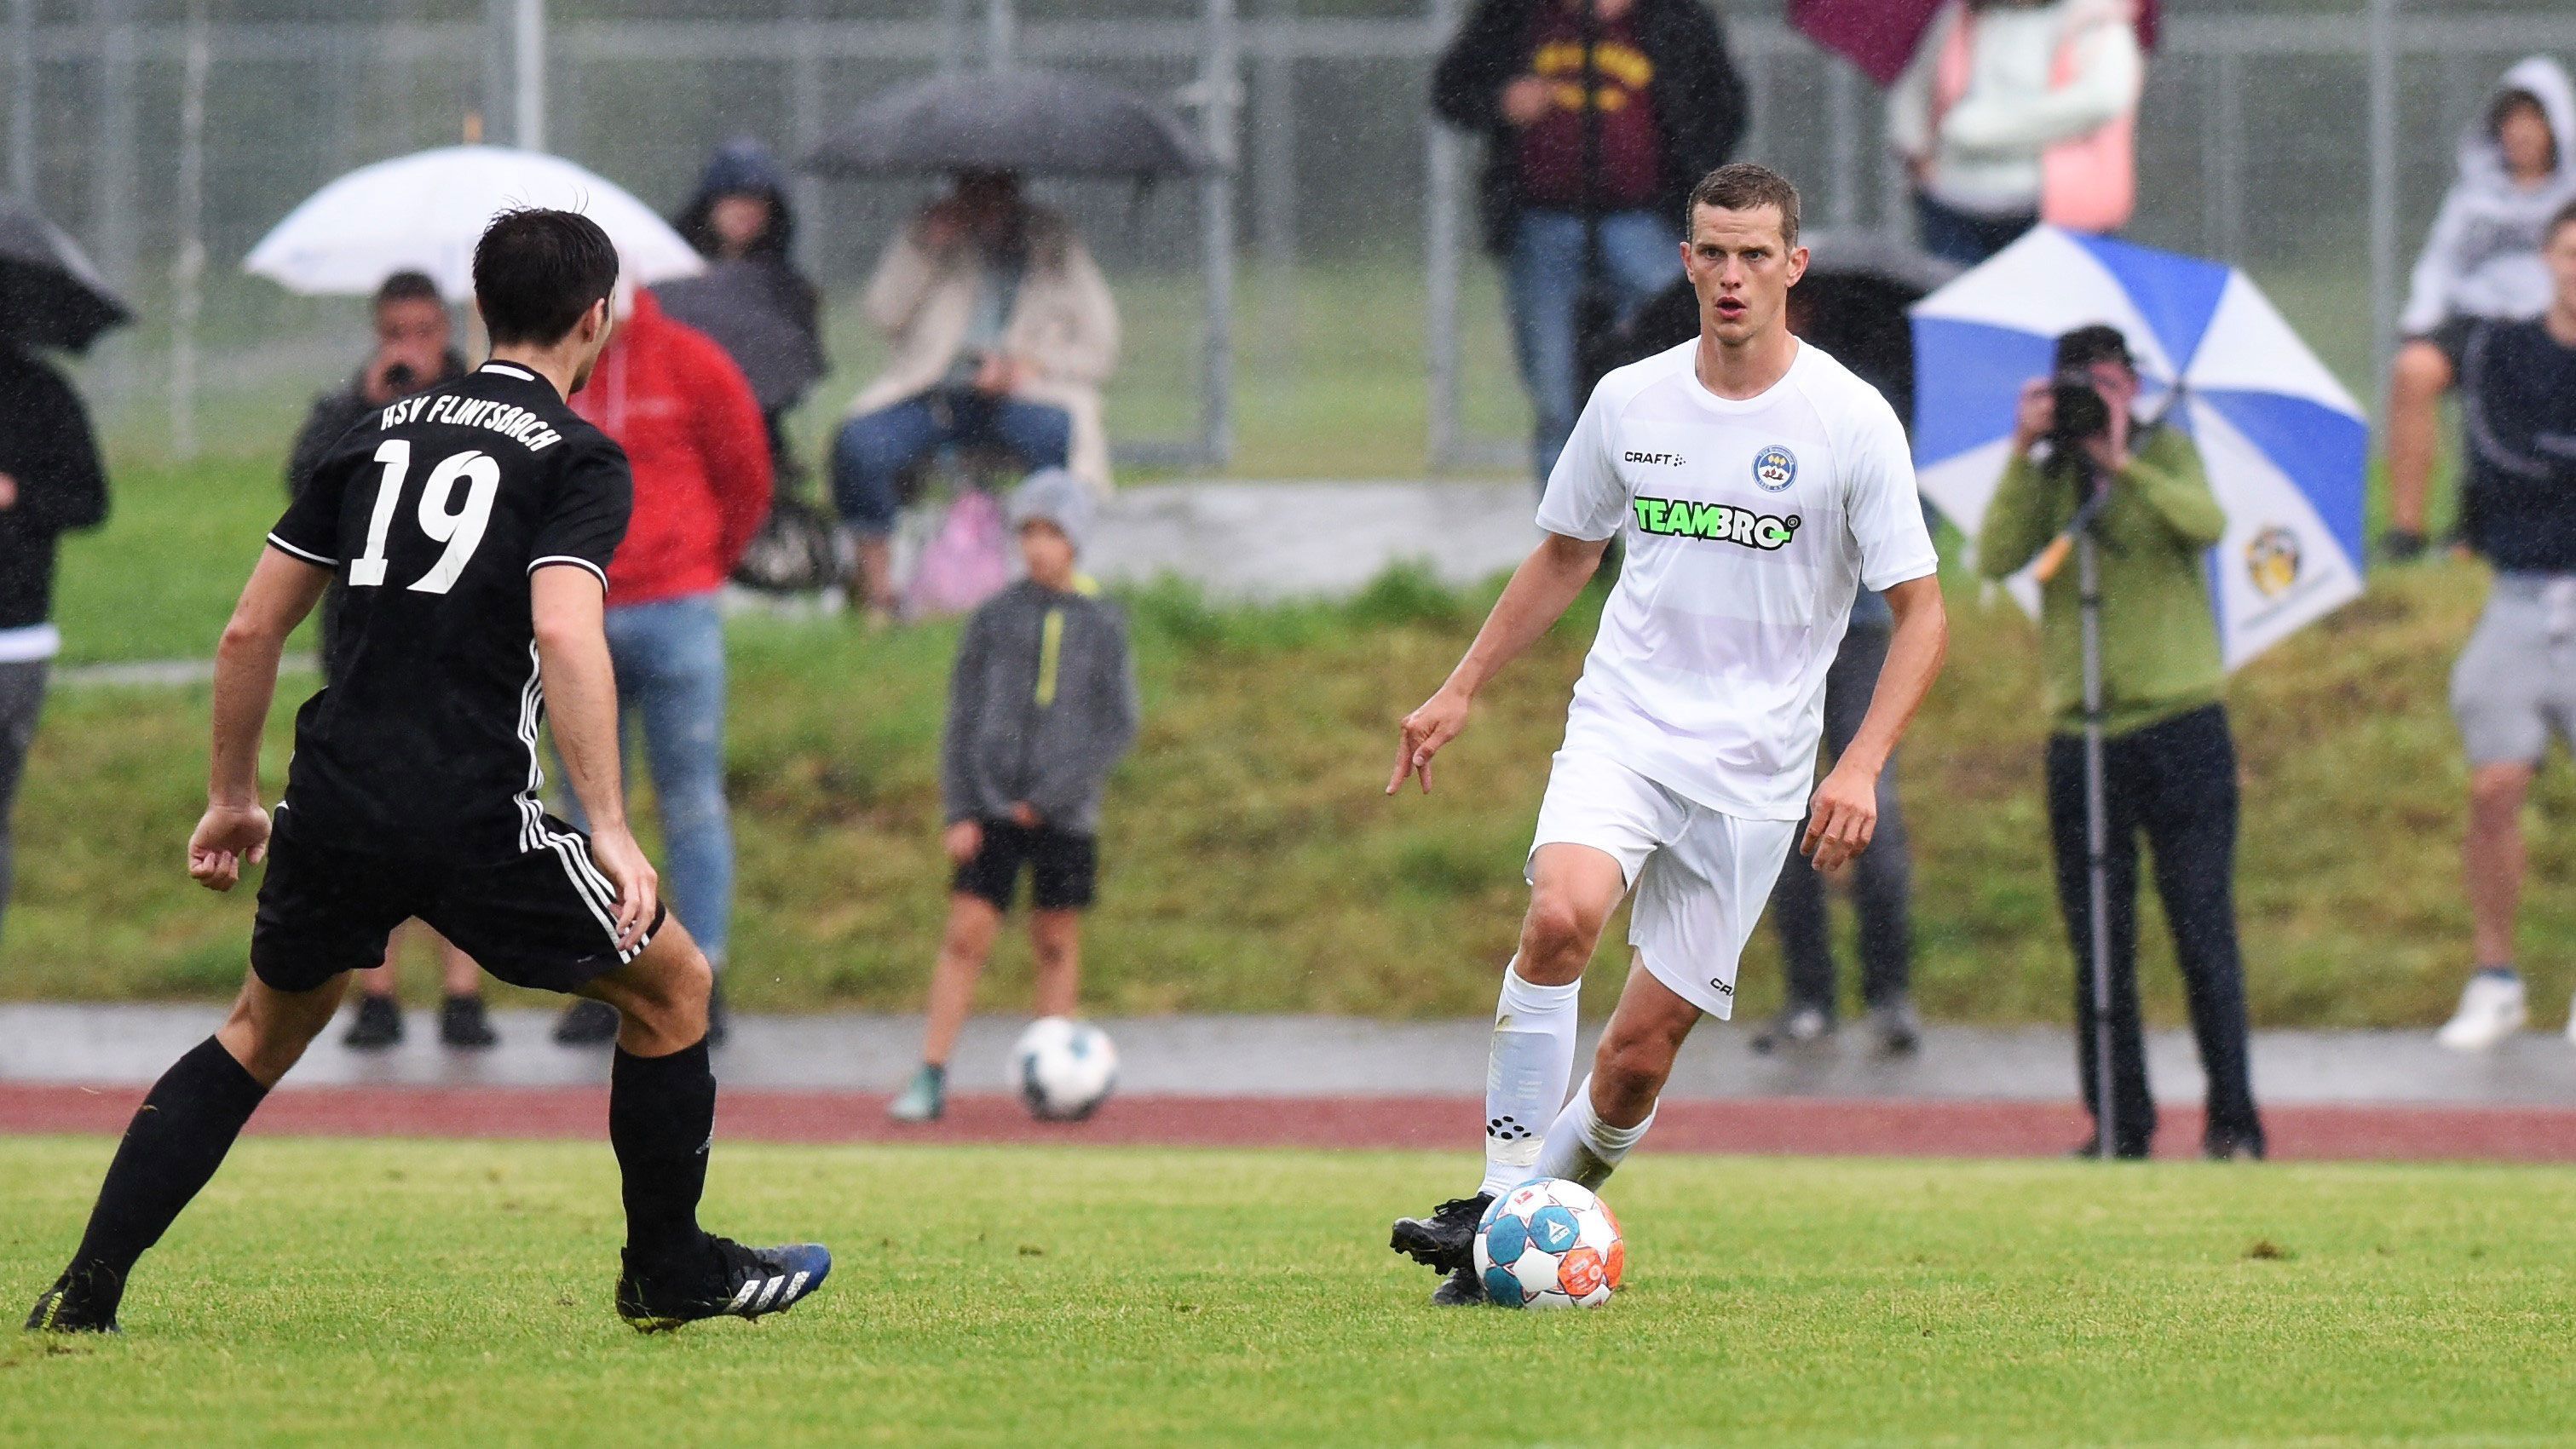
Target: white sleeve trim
x=311 y=558
x=564 y=558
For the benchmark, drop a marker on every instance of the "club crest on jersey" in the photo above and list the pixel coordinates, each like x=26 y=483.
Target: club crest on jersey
x=1774 y=468
x=1716 y=522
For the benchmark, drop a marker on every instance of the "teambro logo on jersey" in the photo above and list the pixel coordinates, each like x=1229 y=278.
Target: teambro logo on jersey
x=1774 y=468
x=1716 y=522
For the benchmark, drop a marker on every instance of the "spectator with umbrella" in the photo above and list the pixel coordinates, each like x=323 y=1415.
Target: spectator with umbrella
x=2152 y=416
x=50 y=479
x=1598 y=118
x=1004 y=329
x=1004 y=332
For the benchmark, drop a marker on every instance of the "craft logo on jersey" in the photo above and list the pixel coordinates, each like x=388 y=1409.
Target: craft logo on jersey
x=1716 y=522
x=2272 y=561
x=1774 y=468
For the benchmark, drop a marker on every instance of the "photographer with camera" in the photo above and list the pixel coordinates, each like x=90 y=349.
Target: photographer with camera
x=2080 y=461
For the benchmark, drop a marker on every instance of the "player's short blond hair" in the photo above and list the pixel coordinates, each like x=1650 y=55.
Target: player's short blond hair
x=1745 y=186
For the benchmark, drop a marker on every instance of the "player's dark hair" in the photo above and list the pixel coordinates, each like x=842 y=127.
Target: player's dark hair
x=406 y=287
x=2100 y=342
x=536 y=271
x=1744 y=186
x=2563 y=217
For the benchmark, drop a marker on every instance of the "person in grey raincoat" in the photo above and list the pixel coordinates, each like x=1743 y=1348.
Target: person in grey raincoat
x=763 y=312
x=2481 y=263
x=1041 y=706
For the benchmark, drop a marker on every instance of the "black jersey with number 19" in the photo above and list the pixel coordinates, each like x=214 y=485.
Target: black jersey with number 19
x=436 y=510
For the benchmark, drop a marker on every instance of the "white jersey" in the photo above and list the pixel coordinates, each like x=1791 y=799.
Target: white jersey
x=1749 y=526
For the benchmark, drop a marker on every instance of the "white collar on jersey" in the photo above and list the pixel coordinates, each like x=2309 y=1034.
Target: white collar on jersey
x=508 y=369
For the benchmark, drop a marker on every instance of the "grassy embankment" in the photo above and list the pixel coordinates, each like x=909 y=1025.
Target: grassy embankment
x=1252 y=864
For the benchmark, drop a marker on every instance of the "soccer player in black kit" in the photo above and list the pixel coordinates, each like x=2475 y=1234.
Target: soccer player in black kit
x=472 y=526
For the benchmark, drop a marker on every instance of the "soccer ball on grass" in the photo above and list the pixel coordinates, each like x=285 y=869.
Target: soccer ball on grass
x=1549 y=1243
x=1063 y=1068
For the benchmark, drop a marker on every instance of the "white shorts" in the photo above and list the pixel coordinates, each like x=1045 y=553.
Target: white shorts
x=1701 y=876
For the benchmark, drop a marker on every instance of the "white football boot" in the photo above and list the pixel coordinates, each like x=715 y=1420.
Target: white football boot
x=2491 y=1011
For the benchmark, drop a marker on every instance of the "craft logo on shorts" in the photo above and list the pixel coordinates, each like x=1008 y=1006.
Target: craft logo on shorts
x=2272 y=561
x=1774 y=468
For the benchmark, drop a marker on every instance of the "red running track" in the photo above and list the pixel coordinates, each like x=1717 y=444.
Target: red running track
x=1777 y=1125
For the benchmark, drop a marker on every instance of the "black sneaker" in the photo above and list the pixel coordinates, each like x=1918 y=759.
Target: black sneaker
x=1445 y=1241
x=377 y=1025
x=2124 y=1152
x=2233 y=1147
x=1898 y=1030
x=1459 y=1289
x=732 y=1281
x=1796 y=1026
x=464 y=1024
x=79 y=1303
x=587 y=1023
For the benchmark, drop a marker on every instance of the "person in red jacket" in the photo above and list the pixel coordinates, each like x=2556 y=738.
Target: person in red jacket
x=693 y=432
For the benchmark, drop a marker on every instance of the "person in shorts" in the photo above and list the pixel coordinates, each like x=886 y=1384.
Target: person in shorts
x=469 y=531
x=1041 y=706
x=2515 y=685
x=1757 y=486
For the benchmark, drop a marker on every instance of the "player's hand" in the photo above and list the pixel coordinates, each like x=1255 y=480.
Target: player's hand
x=639 y=888
x=8 y=492
x=963 y=840
x=1524 y=100
x=1424 y=732
x=1026 y=816
x=1842 y=817
x=227 y=838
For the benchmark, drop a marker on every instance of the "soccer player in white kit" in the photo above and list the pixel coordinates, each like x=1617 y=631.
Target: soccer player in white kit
x=1757 y=485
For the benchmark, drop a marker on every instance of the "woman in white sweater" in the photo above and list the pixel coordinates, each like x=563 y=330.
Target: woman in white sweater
x=2018 y=111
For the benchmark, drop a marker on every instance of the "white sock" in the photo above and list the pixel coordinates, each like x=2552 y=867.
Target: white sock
x=1525 y=1079
x=1582 y=1148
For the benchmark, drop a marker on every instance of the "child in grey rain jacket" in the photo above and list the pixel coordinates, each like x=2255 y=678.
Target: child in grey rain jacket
x=1041 y=706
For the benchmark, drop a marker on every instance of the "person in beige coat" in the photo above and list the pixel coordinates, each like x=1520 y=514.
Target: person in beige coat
x=1004 y=332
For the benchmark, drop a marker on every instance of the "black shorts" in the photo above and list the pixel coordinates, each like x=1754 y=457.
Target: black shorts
x=545 y=919
x=1063 y=867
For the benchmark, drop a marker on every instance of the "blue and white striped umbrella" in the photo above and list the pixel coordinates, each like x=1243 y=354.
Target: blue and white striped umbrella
x=2283 y=442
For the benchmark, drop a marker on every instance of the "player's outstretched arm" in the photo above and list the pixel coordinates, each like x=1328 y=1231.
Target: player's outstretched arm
x=1844 y=813
x=234 y=830
x=1541 y=588
x=569 y=605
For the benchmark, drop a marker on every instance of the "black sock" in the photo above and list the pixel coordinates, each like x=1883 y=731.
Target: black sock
x=174 y=1144
x=662 y=1120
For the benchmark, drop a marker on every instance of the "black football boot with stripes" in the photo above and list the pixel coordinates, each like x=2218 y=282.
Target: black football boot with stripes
x=81 y=1301
x=1444 y=1242
x=731 y=1281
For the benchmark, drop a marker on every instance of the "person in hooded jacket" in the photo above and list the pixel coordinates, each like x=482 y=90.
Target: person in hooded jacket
x=50 y=484
x=764 y=313
x=2481 y=263
x=693 y=434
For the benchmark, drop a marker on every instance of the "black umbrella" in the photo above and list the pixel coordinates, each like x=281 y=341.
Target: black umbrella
x=49 y=295
x=1039 y=121
x=1851 y=303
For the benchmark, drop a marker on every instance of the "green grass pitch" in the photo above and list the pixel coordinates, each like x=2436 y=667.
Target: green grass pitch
x=458 y=1294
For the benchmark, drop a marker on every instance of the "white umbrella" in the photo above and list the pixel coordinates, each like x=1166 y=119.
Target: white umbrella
x=424 y=213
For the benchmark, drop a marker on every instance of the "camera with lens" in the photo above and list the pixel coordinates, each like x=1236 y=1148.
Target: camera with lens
x=2082 y=413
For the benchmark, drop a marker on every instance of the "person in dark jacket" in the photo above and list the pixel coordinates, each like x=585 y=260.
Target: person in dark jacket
x=1041 y=706
x=50 y=484
x=763 y=312
x=414 y=352
x=1667 y=107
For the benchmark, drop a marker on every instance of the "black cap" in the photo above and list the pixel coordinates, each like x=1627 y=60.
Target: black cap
x=2086 y=346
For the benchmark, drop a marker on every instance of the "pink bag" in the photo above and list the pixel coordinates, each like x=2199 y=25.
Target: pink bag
x=966 y=562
